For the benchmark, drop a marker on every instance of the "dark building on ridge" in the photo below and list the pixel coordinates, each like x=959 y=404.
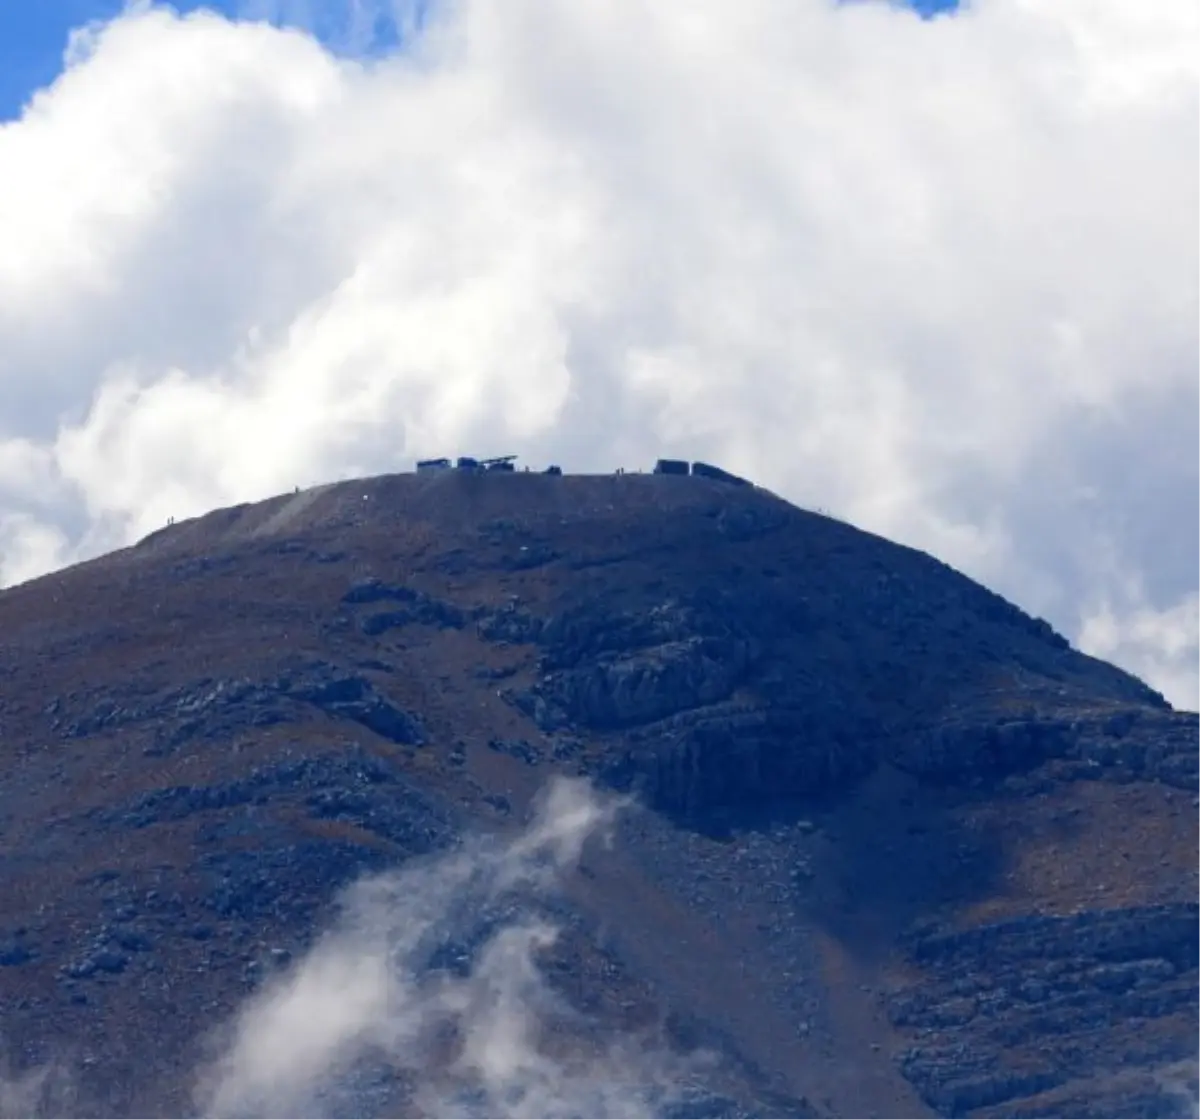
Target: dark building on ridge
x=671 y=466
x=707 y=470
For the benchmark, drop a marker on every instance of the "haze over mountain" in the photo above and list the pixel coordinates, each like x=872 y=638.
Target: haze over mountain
x=936 y=276
x=513 y=794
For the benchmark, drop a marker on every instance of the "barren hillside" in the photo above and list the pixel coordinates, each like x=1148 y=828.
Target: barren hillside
x=892 y=847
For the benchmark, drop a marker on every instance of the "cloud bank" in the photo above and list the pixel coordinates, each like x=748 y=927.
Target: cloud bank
x=938 y=277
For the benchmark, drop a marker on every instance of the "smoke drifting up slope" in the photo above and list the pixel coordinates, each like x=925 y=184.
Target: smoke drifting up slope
x=43 y=1091
x=430 y=981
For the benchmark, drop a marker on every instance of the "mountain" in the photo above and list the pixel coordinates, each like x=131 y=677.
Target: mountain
x=667 y=794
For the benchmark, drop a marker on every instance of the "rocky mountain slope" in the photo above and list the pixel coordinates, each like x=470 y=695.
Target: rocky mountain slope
x=891 y=847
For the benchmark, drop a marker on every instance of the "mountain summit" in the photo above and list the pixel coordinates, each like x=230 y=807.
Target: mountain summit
x=495 y=793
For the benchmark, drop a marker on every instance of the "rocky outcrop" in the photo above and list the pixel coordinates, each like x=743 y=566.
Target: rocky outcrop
x=732 y=755
x=608 y=669
x=351 y=786
x=968 y=751
x=740 y=694
x=350 y=696
x=1125 y=745
x=1017 y=1009
x=584 y=634
x=509 y=624
x=214 y=710
x=614 y=691
x=417 y=608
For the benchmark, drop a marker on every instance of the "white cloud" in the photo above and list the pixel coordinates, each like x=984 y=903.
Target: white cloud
x=1158 y=645
x=939 y=277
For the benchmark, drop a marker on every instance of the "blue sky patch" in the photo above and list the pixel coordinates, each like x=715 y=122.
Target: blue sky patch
x=33 y=33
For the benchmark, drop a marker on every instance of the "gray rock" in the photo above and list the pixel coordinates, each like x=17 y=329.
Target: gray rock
x=1019 y=1008
x=520 y=749
x=15 y=951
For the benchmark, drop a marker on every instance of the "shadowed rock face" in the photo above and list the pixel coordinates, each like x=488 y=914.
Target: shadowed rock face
x=762 y=689
x=900 y=850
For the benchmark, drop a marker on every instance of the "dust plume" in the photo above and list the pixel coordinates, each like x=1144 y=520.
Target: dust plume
x=429 y=985
x=45 y=1090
